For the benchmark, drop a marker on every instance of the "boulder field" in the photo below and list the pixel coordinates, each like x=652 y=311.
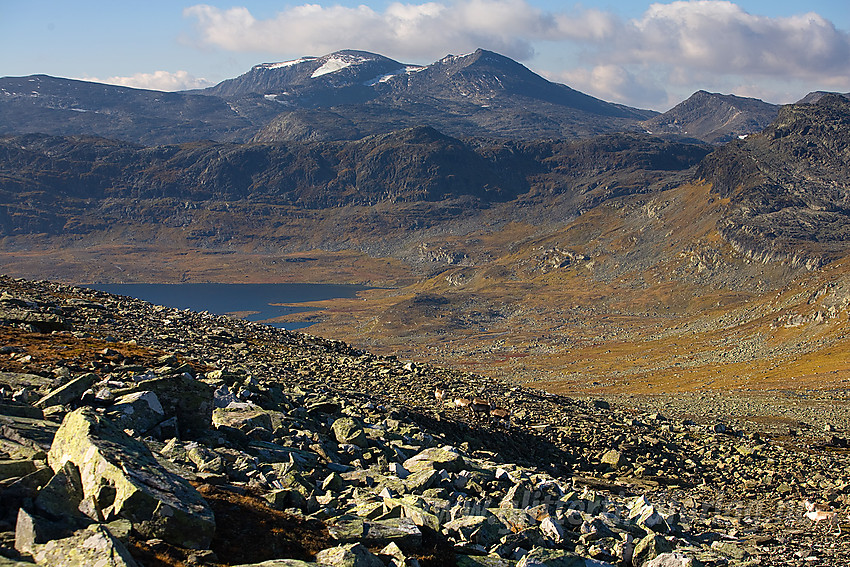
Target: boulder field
x=138 y=435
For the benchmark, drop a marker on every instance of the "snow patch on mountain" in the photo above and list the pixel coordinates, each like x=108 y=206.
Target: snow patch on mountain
x=283 y=64
x=409 y=69
x=337 y=63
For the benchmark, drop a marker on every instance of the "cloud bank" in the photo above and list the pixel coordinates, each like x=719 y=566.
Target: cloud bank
x=158 y=81
x=694 y=42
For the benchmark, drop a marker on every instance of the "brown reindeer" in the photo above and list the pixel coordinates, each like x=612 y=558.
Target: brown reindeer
x=439 y=395
x=500 y=415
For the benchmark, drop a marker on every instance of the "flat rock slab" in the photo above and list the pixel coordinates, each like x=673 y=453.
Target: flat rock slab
x=94 y=546
x=28 y=432
x=436 y=458
x=122 y=479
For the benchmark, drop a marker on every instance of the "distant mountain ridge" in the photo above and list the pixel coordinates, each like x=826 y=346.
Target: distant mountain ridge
x=344 y=95
x=713 y=117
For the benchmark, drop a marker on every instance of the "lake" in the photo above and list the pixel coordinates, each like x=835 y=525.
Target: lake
x=253 y=302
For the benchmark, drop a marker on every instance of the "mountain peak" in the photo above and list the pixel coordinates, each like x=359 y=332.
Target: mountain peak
x=713 y=117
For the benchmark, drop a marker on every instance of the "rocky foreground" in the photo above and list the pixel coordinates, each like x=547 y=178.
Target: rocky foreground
x=133 y=434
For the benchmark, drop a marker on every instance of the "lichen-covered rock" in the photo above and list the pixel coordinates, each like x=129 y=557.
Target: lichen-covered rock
x=122 y=479
x=540 y=557
x=92 y=547
x=11 y=468
x=348 y=430
x=348 y=555
x=673 y=559
x=61 y=496
x=437 y=458
x=69 y=392
x=649 y=548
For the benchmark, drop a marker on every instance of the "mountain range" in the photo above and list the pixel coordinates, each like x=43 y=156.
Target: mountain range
x=510 y=225
x=347 y=95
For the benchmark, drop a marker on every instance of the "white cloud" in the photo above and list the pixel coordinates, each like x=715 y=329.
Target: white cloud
x=158 y=81
x=615 y=83
x=719 y=37
x=417 y=31
x=685 y=44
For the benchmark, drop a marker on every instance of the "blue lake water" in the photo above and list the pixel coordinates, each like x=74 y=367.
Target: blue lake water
x=258 y=300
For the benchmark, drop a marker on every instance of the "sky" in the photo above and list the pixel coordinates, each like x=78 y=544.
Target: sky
x=643 y=54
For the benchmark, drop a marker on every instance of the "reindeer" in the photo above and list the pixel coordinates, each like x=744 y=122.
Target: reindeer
x=500 y=415
x=439 y=395
x=820 y=512
x=479 y=407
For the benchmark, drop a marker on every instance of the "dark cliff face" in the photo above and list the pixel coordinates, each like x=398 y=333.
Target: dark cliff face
x=788 y=186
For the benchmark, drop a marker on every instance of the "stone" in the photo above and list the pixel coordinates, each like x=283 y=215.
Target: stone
x=482 y=530
x=61 y=496
x=190 y=400
x=348 y=431
x=615 y=459
x=348 y=555
x=402 y=531
x=540 y=557
x=483 y=561
x=123 y=480
x=729 y=549
x=70 y=392
x=243 y=419
x=421 y=481
x=31 y=530
x=12 y=468
x=649 y=548
x=673 y=559
x=437 y=458
x=139 y=411
x=552 y=529
x=93 y=546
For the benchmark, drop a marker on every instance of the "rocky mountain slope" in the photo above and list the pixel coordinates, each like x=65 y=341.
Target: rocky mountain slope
x=788 y=184
x=81 y=185
x=480 y=94
x=713 y=118
x=134 y=435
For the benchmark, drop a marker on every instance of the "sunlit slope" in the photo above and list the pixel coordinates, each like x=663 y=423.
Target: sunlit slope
x=640 y=294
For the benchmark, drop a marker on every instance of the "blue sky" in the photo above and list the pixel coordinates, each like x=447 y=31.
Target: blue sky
x=649 y=55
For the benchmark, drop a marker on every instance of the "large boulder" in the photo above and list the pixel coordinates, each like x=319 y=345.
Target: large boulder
x=349 y=431
x=181 y=396
x=139 y=411
x=436 y=458
x=121 y=478
x=348 y=555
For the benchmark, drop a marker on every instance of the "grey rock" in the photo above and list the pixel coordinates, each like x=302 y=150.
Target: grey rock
x=436 y=458
x=348 y=431
x=673 y=559
x=122 y=479
x=94 y=546
x=139 y=411
x=348 y=555
x=649 y=548
x=72 y=391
